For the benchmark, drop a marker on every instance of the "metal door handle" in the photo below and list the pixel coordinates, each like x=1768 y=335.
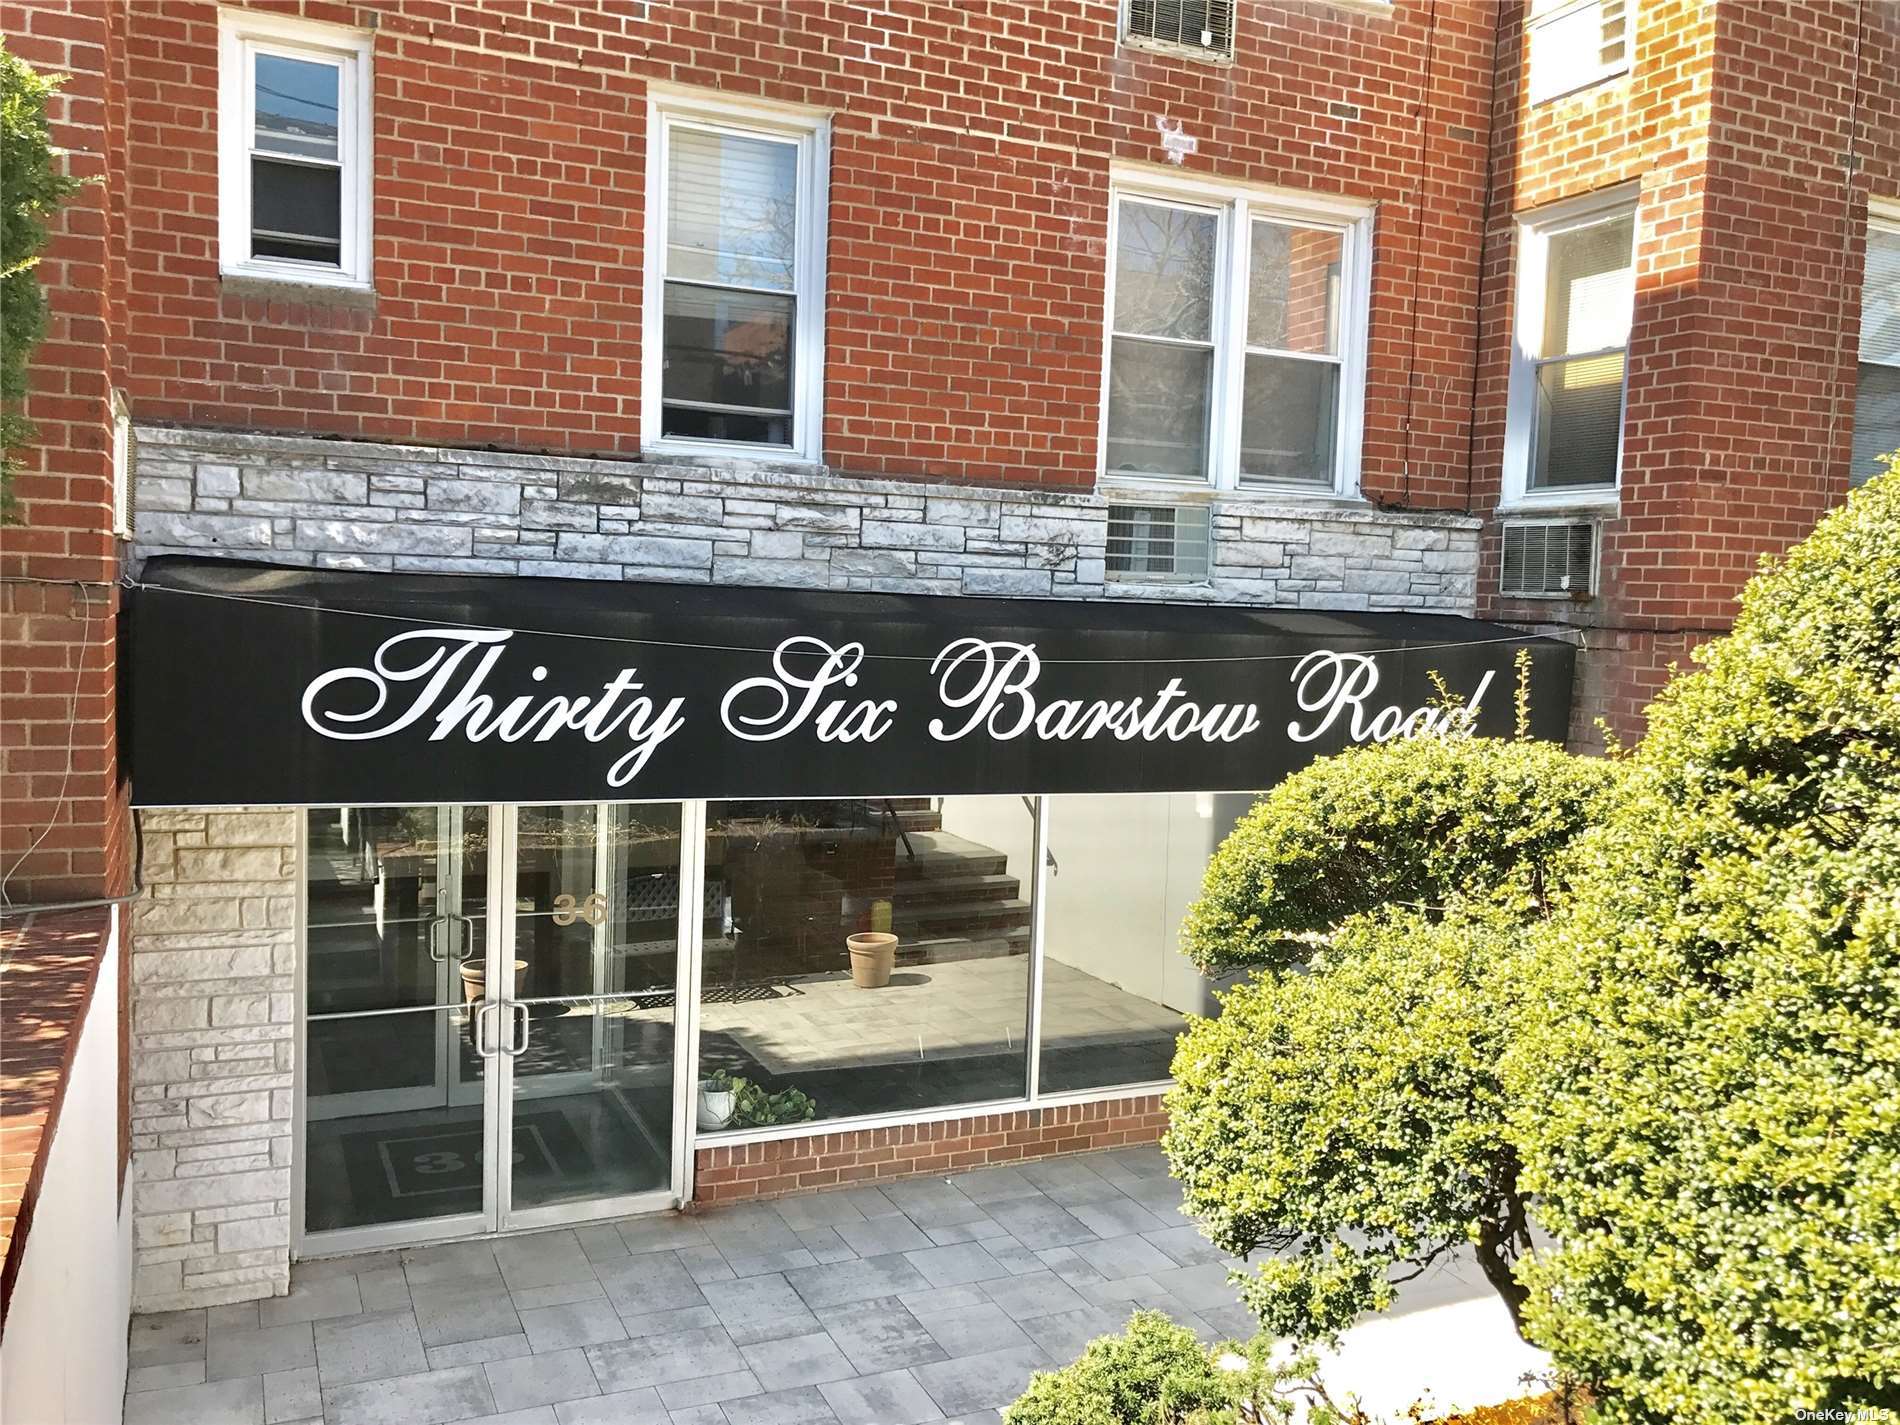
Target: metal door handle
x=521 y=1040
x=438 y=947
x=484 y=1044
x=468 y=935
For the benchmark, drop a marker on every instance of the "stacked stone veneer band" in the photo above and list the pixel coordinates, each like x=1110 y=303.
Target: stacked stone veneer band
x=360 y=506
x=734 y=1173
x=213 y=1056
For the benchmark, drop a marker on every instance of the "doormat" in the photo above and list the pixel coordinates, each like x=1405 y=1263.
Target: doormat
x=436 y=1168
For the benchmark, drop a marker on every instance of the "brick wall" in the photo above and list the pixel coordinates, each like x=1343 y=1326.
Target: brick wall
x=969 y=171
x=63 y=823
x=874 y=1155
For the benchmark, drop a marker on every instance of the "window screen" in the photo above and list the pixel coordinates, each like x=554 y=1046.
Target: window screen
x=1877 y=396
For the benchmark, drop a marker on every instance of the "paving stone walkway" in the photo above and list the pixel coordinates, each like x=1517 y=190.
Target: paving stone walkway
x=920 y=1301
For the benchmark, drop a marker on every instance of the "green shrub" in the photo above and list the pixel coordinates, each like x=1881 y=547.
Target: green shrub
x=1421 y=820
x=31 y=187
x=1710 y=1110
x=1351 y=1120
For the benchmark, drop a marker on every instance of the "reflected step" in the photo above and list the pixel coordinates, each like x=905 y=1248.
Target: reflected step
x=940 y=890
x=959 y=918
x=942 y=853
x=944 y=949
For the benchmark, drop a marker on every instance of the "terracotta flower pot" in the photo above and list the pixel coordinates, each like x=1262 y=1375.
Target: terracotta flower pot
x=475 y=979
x=873 y=956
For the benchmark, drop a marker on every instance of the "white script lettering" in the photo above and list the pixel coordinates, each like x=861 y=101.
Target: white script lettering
x=836 y=722
x=1335 y=685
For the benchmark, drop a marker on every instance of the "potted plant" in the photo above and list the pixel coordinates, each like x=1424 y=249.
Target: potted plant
x=728 y=1101
x=873 y=957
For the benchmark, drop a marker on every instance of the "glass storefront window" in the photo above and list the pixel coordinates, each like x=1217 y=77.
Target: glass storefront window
x=934 y=1016
x=1115 y=985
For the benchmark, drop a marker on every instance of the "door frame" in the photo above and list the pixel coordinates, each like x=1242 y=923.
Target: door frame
x=497 y=1214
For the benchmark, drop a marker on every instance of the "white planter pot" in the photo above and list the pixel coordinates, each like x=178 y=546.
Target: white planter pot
x=716 y=1106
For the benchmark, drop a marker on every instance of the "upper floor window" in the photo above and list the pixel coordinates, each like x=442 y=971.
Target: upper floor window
x=294 y=149
x=1877 y=396
x=735 y=263
x=1575 y=296
x=1201 y=27
x=1577 y=43
x=1236 y=343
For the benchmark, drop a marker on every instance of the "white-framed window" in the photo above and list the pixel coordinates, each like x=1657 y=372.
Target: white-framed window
x=1576 y=43
x=1236 y=337
x=735 y=278
x=1877 y=389
x=1202 y=28
x=1576 y=288
x=293 y=149
x=121 y=466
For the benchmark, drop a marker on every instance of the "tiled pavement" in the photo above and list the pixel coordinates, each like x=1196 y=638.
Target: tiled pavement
x=923 y=1300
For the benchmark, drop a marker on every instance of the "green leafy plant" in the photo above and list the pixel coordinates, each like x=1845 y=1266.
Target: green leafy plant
x=1420 y=822
x=32 y=186
x=755 y=1107
x=1350 y=1120
x=1709 y=1110
x=1157 y=1373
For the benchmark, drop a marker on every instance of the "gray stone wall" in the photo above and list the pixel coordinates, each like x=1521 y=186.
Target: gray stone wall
x=359 y=506
x=213 y=1056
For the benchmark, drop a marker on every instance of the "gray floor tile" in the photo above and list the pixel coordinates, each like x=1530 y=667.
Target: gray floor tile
x=833 y=1282
x=881 y=1236
x=626 y=1407
x=705 y=1263
x=1117 y=1257
x=560 y=1294
x=312 y=1301
x=166 y=1337
x=237 y=1316
x=384 y=1289
x=709 y=1390
x=698 y=1415
x=1034 y=1295
x=889 y=1398
x=1118 y=1217
x=1038 y=1223
x=454 y=1261
x=944 y=1298
x=542 y=1259
x=802 y=1406
x=292 y=1395
x=872 y=1202
x=932 y=1202
x=985 y=1382
x=880 y=1335
x=825 y=1245
x=798 y=1360
x=579 y=1323
x=533 y=1415
x=371 y=1347
x=475 y=1353
x=956 y=1266
x=1069 y=1180
x=987 y=1185
x=976 y=1230
x=451 y=1311
x=540 y=1379
x=658 y=1323
x=255 y=1353
x=825 y=1209
x=1067 y=1264
x=655 y=1360
x=978 y=1417
x=1235 y=1323
x=649 y=1281
x=353 y=1265
x=1063 y=1334
x=758 y=1263
x=601 y=1242
x=1205 y=1285
x=972 y=1330
x=431 y=1398
x=159 y=1377
x=757 y=1309
x=1185 y=1246
x=662 y=1232
x=224 y=1402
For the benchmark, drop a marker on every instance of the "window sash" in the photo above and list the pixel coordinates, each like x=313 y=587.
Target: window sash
x=1231 y=348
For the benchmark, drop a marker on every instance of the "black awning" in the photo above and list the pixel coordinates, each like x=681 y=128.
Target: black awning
x=266 y=685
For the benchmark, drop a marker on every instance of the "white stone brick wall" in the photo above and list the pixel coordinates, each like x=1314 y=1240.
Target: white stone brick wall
x=214 y=961
x=341 y=504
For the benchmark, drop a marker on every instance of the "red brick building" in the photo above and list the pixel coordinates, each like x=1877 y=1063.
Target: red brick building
x=1560 y=314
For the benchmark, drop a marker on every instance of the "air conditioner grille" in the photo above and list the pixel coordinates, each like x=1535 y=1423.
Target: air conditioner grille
x=1195 y=24
x=1157 y=543
x=1549 y=558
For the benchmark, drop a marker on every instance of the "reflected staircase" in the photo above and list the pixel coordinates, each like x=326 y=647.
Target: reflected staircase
x=954 y=898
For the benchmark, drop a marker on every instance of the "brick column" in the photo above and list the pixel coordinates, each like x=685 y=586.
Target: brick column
x=214 y=1024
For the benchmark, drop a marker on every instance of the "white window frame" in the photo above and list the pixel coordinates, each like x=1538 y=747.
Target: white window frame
x=121 y=465
x=1237 y=207
x=1535 y=229
x=1883 y=216
x=242 y=36
x=1543 y=90
x=810 y=130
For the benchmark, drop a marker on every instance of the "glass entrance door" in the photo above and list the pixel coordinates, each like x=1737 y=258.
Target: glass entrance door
x=480 y=976
x=589 y=1041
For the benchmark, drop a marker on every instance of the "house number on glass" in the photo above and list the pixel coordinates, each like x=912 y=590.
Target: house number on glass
x=593 y=910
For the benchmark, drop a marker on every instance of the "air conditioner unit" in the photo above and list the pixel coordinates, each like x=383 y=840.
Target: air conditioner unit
x=1150 y=544
x=1204 y=25
x=1549 y=559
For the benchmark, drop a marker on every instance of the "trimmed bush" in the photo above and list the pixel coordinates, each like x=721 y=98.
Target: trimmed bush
x=1419 y=821
x=1710 y=1112
x=1352 y=1120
